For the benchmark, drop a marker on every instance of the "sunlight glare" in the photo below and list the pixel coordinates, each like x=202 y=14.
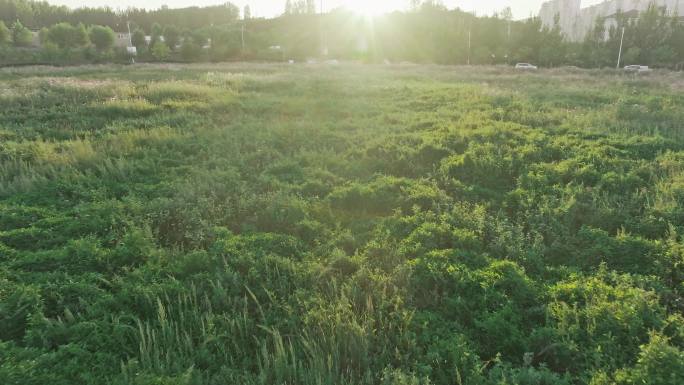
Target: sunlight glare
x=368 y=8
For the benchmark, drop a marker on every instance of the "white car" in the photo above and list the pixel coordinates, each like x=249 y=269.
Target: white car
x=637 y=68
x=525 y=66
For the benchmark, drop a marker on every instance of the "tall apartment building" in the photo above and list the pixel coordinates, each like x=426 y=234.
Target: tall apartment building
x=575 y=21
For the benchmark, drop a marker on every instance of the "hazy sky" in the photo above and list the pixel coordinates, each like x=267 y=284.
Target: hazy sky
x=521 y=8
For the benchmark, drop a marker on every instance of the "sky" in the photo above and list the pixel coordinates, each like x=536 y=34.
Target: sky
x=268 y=8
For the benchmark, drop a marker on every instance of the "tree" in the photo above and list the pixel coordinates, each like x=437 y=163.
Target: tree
x=156 y=32
x=190 y=51
x=60 y=35
x=138 y=39
x=225 y=43
x=659 y=363
x=676 y=39
x=299 y=7
x=311 y=7
x=43 y=35
x=172 y=36
x=21 y=36
x=160 y=51
x=102 y=37
x=65 y=35
x=200 y=37
x=507 y=14
x=247 y=12
x=80 y=36
x=4 y=33
x=528 y=41
x=631 y=55
x=594 y=52
x=552 y=49
x=288 y=7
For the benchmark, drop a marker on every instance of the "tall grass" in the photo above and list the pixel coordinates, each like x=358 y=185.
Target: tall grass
x=268 y=224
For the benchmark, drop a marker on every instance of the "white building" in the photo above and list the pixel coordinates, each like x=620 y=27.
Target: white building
x=575 y=21
x=148 y=39
x=122 y=40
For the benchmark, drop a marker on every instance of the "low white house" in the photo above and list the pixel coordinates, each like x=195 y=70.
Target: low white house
x=148 y=39
x=122 y=40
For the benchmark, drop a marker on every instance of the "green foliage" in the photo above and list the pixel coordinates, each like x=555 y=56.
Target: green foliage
x=428 y=32
x=138 y=40
x=101 y=37
x=648 y=39
x=190 y=51
x=5 y=34
x=65 y=35
x=172 y=35
x=41 y=14
x=659 y=363
x=21 y=36
x=156 y=32
x=160 y=51
x=267 y=224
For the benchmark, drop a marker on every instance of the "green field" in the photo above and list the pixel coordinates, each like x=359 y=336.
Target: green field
x=301 y=225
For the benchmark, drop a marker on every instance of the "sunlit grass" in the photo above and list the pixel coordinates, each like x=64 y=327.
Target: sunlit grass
x=272 y=224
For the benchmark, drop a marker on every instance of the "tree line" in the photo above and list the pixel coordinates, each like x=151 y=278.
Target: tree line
x=426 y=33
x=39 y=14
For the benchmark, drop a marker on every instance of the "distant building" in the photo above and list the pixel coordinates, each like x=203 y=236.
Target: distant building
x=148 y=39
x=575 y=22
x=122 y=40
x=35 y=39
x=567 y=12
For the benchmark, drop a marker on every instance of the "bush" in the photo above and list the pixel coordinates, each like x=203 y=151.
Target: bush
x=160 y=51
x=101 y=37
x=21 y=36
x=65 y=35
x=138 y=40
x=659 y=363
x=269 y=224
x=4 y=34
x=172 y=35
x=190 y=51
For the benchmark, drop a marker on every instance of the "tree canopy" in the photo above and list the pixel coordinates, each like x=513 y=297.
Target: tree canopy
x=426 y=33
x=102 y=37
x=4 y=33
x=21 y=36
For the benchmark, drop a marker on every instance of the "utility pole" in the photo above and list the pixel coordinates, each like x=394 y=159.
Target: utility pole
x=622 y=38
x=508 y=40
x=324 y=36
x=470 y=27
x=130 y=43
x=468 y=46
x=242 y=36
x=130 y=38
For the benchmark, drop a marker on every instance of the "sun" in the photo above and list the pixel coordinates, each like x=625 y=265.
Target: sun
x=368 y=8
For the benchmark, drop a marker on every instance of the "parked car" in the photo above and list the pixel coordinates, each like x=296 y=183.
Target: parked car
x=637 y=68
x=525 y=66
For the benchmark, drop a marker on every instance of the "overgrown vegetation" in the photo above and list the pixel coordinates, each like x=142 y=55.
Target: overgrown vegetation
x=271 y=224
